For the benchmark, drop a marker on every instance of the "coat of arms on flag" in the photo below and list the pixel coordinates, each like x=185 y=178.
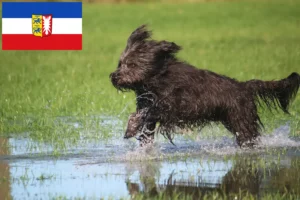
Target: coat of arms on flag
x=42 y=25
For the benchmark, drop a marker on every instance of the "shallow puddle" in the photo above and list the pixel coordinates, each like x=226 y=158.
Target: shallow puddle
x=120 y=169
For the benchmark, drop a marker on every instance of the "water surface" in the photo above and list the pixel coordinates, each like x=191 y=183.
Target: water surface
x=120 y=169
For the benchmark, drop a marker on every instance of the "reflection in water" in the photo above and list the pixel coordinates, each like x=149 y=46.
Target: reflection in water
x=287 y=178
x=245 y=176
x=147 y=176
x=153 y=181
x=4 y=171
x=151 y=185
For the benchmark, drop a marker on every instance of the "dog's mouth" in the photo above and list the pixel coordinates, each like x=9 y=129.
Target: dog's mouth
x=119 y=84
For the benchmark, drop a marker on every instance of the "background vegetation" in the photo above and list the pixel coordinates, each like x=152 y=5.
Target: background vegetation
x=41 y=90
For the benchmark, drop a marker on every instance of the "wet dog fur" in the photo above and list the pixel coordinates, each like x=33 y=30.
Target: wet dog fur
x=177 y=94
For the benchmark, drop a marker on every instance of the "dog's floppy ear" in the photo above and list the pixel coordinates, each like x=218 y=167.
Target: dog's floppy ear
x=139 y=35
x=162 y=51
x=169 y=47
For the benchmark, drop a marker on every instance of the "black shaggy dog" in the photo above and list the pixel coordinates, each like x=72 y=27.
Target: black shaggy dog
x=176 y=94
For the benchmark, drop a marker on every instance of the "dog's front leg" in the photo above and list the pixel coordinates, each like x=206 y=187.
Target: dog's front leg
x=138 y=123
x=133 y=125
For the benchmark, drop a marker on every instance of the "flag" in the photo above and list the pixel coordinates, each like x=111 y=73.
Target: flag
x=41 y=25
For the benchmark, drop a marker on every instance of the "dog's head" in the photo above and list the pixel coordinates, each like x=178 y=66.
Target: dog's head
x=142 y=59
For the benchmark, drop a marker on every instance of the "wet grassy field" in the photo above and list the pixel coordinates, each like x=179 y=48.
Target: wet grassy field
x=62 y=122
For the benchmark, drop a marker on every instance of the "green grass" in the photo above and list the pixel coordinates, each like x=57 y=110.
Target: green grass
x=244 y=40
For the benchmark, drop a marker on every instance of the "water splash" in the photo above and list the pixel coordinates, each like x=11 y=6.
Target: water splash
x=220 y=146
x=279 y=138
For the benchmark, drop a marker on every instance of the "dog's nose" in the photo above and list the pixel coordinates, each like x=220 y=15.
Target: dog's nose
x=125 y=137
x=112 y=75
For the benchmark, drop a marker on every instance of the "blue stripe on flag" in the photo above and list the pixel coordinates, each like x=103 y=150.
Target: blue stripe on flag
x=26 y=9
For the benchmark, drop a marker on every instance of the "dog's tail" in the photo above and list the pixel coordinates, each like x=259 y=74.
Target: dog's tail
x=276 y=93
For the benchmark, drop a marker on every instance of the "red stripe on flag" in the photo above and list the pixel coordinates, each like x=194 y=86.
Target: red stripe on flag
x=31 y=42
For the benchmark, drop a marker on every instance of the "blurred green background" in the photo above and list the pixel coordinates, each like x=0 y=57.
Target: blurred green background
x=240 y=39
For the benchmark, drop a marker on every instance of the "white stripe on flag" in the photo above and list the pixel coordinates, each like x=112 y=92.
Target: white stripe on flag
x=23 y=26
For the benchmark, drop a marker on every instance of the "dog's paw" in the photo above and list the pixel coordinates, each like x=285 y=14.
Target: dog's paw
x=251 y=144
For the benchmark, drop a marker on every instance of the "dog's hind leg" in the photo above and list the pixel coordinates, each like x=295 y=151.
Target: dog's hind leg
x=245 y=126
x=246 y=132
